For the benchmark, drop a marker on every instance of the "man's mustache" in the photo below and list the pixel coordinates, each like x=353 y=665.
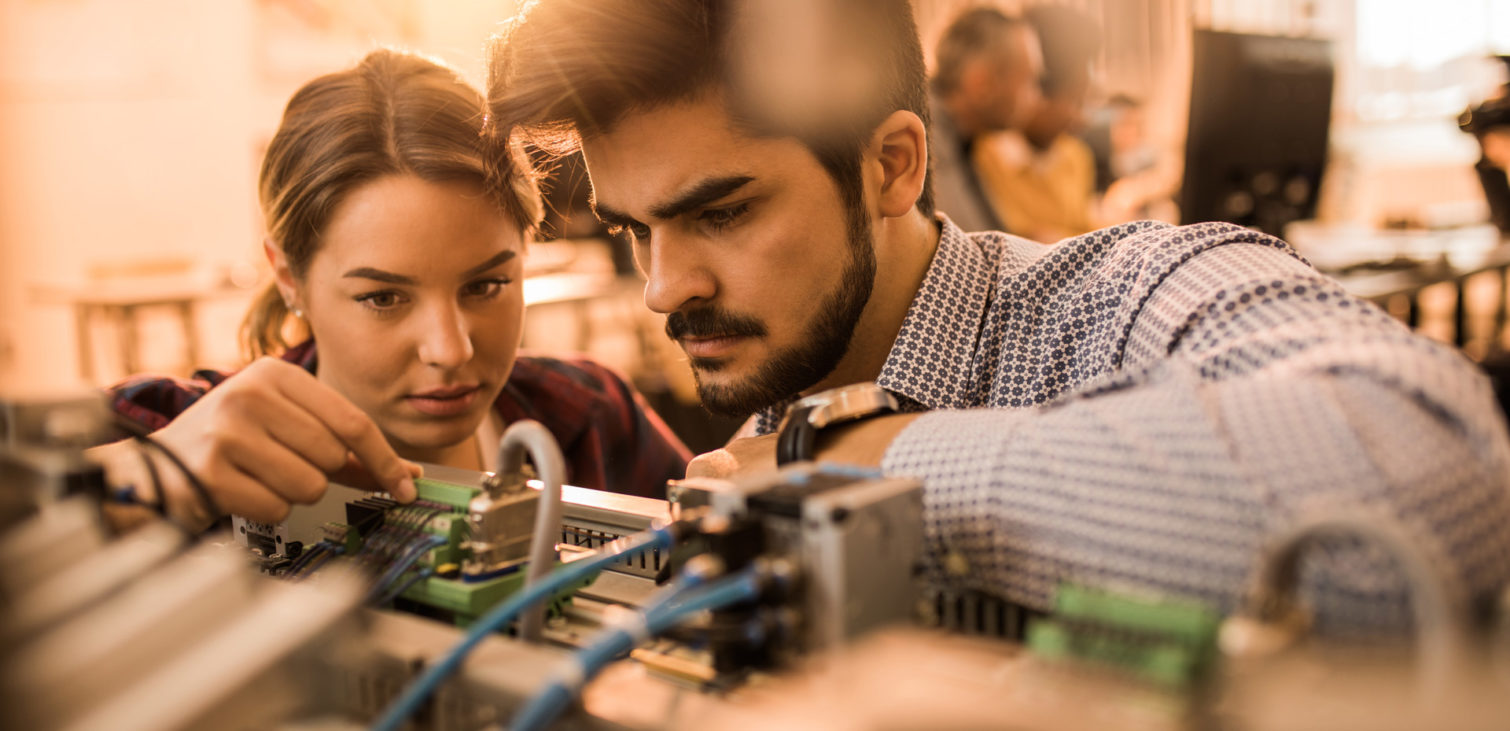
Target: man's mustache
x=709 y=322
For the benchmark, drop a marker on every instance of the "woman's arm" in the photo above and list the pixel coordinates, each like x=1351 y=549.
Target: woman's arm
x=265 y=439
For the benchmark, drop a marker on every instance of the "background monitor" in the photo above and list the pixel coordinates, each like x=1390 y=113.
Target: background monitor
x=1256 y=146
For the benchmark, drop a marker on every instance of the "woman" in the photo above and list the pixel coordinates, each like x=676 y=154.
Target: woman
x=399 y=260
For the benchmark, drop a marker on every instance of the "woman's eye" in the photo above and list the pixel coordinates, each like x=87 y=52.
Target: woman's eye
x=381 y=300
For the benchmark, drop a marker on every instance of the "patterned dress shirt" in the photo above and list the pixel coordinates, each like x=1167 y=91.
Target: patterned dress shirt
x=1146 y=407
x=610 y=437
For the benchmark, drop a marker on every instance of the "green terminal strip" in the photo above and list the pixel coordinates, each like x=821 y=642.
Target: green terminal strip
x=447 y=493
x=1169 y=643
x=465 y=600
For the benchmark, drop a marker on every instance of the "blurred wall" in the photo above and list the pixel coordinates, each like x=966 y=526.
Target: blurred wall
x=133 y=131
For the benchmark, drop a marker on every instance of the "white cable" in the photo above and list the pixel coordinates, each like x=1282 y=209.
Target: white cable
x=1438 y=599
x=546 y=454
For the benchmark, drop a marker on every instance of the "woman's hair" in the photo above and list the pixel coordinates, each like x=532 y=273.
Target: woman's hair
x=393 y=113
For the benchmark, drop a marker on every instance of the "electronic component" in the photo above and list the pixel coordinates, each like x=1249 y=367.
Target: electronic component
x=147 y=631
x=501 y=519
x=856 y=538
x=1166 y=642
x=41 y=451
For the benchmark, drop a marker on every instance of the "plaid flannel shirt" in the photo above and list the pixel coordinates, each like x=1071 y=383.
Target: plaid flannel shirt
x=611 y=438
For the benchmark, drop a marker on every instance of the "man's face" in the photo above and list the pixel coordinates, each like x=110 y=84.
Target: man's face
x=746 y=244
x=1012 y=91
x=1057 y=114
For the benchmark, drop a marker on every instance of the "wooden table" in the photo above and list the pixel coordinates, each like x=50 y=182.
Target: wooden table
x=121 y=302
x=1454 y=267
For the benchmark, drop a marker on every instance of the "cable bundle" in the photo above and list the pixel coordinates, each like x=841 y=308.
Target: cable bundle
x=500 y=616
x=676 y=603
x=314 y=559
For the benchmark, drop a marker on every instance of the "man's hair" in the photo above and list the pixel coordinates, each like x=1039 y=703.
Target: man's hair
x=973 y=32
x=1070 y=41
x=826 y=72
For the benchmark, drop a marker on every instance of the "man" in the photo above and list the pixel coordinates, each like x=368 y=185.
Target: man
x=986 y=80
x=1038 y=176
x=1142 y=407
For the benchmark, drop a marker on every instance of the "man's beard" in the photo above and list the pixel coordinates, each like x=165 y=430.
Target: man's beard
x=823 y=344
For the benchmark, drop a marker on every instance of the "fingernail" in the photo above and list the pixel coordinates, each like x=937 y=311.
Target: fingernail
x=416 y=469
x=406 y=492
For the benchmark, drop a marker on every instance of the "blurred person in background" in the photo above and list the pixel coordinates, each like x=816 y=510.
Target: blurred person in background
x=398 y=262
x=1117 y=133
x=1142 y=408
x=986 y=79
x=1489 y=123
x=1040 y=176
x=1044 y=177
x=1133 y=181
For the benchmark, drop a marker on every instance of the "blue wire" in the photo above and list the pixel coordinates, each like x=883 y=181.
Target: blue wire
x=307 y=556
x=320 y=562
x=305 y=559
x=418 y=576
x=409 y=701
x=404 y=563
x=670 y=607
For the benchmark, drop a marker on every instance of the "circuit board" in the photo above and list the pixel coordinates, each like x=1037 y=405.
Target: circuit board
x=415 y=553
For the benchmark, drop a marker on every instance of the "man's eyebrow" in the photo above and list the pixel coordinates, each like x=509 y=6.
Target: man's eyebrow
x=699 y=195
x=492 y=261
x=610 y=216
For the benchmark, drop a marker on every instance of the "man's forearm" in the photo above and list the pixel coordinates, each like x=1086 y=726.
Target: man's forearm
x=1173 y=486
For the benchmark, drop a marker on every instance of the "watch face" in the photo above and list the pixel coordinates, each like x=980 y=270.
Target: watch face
x=847 y=402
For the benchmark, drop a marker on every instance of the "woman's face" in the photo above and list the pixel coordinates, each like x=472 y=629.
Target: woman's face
x=415 y=299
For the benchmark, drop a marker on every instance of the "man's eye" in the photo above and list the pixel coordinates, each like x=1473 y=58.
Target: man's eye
x=719 y=219
x=486 y=288
x=638 y=232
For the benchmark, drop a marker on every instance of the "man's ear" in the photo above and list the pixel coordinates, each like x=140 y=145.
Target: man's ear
x=283 y=277
x=900 y=146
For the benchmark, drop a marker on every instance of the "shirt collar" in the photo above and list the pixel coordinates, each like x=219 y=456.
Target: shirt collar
x=303 y=355
x=930 y=362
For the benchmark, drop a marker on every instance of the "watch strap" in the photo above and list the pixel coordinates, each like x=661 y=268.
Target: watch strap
x=795 y=443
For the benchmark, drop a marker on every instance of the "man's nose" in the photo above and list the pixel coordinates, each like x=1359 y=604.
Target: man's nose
x=676 y=275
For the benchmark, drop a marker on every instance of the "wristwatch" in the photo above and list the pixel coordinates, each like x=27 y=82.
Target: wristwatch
x=805 y=417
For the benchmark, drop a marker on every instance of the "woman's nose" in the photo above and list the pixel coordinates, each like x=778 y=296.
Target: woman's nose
x=446 y=341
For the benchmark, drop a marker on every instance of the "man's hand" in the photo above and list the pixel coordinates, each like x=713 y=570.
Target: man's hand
x=746 y=456
x=862 y=443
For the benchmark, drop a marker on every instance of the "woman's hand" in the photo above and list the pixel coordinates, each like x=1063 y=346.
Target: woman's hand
x=267 y=438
